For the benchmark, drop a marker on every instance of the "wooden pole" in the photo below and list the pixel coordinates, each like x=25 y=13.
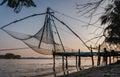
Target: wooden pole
x=113 y=56
x=92 y=56
x=99 y=57
x=79 y=60
x=76 y=61
x=110 y=54
x=63 y=61
x=53 y=59
x=109 y=59
x=66 y=62
x=117 y=58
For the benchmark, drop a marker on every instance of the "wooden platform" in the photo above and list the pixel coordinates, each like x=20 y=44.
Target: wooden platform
x=84 y=54
x=105 y=54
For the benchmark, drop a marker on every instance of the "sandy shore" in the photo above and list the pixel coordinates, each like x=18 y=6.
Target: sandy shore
x=112 y=70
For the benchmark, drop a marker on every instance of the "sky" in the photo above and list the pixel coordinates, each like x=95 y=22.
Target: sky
x=32 y=25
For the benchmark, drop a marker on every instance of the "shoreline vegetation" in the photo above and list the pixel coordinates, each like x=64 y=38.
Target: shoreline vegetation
x=111 y=70
x=13 y=56
x=10 y=56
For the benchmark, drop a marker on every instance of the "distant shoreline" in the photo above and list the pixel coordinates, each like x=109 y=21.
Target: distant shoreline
x=14 y=56
x=38 y=58
x=32 y=58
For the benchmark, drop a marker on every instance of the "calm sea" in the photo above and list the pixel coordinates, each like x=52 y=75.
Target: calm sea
x=36 y=67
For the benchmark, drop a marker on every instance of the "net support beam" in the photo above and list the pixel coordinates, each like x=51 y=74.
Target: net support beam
x=71 y=31
x=50 y=28
x=43 y=30
x=58 y=35
x=21 y=19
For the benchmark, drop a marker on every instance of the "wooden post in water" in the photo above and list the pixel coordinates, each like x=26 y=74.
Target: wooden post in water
x=92 y=56
x=99 y=57
x=109 y=59
x=53 y=59
x=63 y=61
x=79 y=60
x=113 y=59
x=117 y=58
x=66 y=62
x=76 y=60
x=110 y=54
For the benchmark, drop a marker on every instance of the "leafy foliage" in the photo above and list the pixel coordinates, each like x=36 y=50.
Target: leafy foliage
x=112 y=18
x=18 y=4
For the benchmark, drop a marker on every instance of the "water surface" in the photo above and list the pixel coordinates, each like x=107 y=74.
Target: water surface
x=35 y=67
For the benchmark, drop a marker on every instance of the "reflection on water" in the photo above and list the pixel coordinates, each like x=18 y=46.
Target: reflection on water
x=33 y=68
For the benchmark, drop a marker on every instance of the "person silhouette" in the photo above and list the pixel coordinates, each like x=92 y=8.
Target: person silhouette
x=105 y=55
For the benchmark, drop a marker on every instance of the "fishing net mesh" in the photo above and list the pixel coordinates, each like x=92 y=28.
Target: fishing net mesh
x=45 y=41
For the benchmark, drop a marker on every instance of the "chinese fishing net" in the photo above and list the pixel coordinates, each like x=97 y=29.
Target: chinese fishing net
x=54 y=35
x=48 y=39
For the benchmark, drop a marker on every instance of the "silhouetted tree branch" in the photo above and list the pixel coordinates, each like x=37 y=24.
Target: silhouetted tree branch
x=18 y=4
x=111 y=17
x=89 y=7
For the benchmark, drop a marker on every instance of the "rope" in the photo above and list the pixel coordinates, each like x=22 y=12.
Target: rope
x=21 y=19
x=73 y=18
x=71 y=30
